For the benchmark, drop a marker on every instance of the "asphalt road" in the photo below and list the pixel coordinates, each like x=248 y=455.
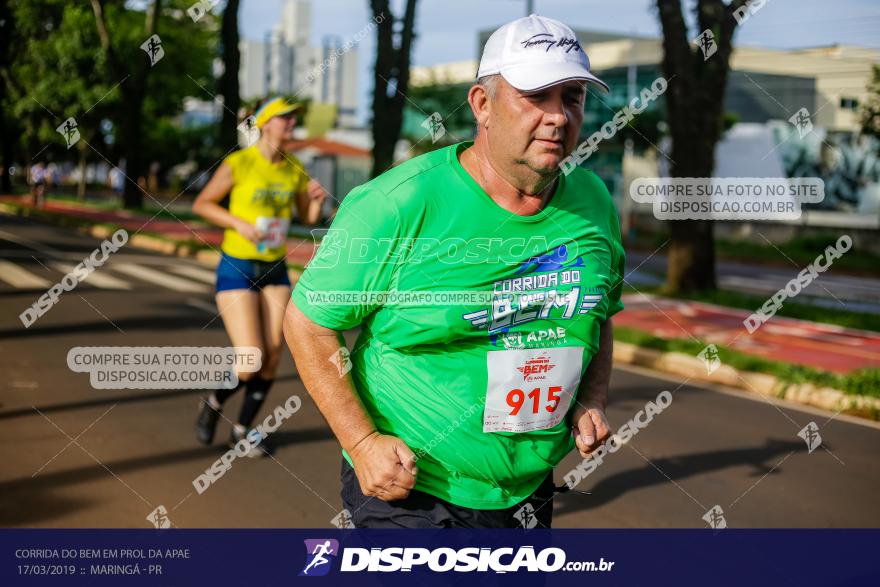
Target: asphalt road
x=74 y=456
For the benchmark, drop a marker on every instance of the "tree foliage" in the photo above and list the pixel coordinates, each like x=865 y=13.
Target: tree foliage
x=63 y=62
x=870 y=111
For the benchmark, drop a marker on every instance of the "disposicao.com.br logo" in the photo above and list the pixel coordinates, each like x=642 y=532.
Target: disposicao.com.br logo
x=321 y=552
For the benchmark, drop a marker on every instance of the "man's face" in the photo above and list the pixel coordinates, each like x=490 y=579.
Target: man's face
x=536 y=129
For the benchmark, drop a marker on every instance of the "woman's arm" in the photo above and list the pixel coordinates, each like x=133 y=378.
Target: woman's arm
x=309 y=203
x=207 y=205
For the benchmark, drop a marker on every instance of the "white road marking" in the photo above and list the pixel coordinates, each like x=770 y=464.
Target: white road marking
x=159 y=278
x=95 y=278
x=202 y=305
x=197 y=273
x=18 y=277
x=31 y=244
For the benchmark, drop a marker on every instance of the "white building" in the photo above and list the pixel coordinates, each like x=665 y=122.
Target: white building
x=285 y=62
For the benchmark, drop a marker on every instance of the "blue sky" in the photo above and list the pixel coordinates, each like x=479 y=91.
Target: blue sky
x=447 y=29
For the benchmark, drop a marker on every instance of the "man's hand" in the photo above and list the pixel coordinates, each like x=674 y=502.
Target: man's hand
x=590 y=427
x=385 y=466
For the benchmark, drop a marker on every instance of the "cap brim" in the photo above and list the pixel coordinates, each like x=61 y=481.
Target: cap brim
x=288 y=109
x=272 y=112
x=526 y=78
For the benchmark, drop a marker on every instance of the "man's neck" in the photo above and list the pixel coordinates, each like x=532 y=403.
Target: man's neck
x=526 y=195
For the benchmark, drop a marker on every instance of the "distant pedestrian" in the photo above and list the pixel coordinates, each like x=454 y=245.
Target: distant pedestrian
x=116 y=176
x=38 y=177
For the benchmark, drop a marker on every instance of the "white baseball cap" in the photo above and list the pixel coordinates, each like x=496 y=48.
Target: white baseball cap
x=536 y=52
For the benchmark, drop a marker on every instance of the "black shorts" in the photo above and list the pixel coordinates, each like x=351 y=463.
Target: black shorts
x=422 y=510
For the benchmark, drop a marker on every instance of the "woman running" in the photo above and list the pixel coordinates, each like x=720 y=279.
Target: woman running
x=253 y=288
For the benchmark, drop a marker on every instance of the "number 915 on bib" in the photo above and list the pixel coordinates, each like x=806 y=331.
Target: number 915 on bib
x=530 y=389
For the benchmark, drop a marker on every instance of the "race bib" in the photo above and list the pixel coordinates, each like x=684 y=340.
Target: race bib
x=530 y=389
x=275 y=230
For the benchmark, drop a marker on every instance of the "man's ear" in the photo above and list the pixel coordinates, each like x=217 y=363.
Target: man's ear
x=480 y=103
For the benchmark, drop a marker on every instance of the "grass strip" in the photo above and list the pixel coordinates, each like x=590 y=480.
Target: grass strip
x=860 y=382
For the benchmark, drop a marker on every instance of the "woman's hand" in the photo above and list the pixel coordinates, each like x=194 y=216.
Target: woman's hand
x=310 y=202
x=316 y=191
x=248 y=230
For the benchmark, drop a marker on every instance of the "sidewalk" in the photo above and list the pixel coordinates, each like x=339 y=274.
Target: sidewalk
x=861 y=293
x=299 y=250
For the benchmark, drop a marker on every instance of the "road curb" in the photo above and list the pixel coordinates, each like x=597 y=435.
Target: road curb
x=102 y=231
x=208 y=257
x=760 y=383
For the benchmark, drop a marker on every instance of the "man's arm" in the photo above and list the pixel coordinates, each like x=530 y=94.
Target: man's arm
x=384 y=465
x=589 y=425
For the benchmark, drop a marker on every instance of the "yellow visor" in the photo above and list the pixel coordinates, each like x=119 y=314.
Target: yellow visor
x=273 y=108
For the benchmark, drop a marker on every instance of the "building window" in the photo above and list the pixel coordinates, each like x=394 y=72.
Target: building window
x=849 y=103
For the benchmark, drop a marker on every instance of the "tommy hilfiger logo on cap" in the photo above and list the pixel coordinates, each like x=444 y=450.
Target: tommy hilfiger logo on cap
x=547 y=40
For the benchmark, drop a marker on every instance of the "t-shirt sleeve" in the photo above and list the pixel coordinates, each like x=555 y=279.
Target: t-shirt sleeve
x=233 y=160
x=357 y=257
x=303 y=182
x=618 y=264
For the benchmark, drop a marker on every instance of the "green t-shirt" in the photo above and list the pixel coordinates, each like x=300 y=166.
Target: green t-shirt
x=540 y=286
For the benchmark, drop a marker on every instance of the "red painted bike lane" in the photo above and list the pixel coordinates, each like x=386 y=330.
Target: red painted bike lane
x=299 y=251
x=822 y=346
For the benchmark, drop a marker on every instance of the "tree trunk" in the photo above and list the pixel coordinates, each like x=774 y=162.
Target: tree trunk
x=228 y=84
x=81 y=185
x=8 y=137
x=133 y=89
x=390 y=73
x=130 y=131
x=694 y=102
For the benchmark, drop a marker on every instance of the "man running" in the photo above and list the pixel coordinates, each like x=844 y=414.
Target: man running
x=453 y=412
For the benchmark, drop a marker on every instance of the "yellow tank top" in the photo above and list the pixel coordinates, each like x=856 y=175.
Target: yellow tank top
x=263 y=193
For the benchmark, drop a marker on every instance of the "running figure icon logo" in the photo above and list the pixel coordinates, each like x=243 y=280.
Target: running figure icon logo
x=710 y=358
x=69 y=131
x=706 y=43
x=810 y=434
x=802 y=122
x=526 y=516
x=154 y=50
x=319 y=554
x=159 y=518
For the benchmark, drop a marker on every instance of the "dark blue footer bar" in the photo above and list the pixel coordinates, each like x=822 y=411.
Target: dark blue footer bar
x=418 y=558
